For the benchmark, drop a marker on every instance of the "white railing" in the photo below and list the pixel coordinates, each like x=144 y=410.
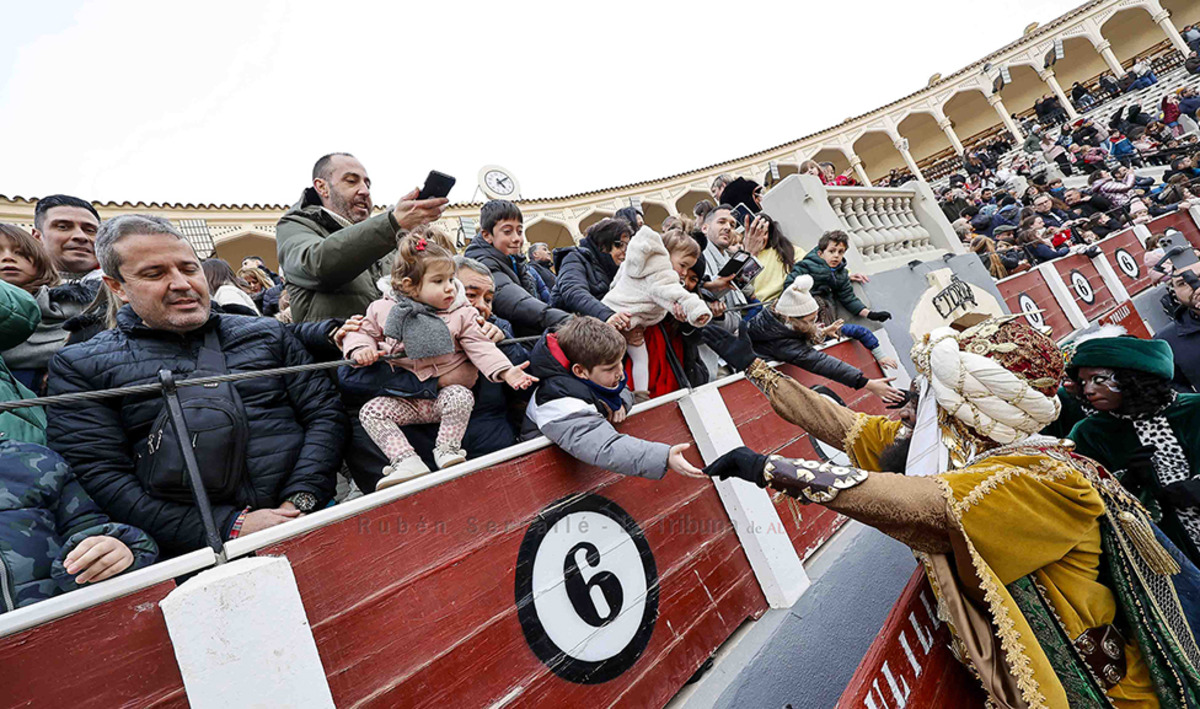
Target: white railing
x=881 y=221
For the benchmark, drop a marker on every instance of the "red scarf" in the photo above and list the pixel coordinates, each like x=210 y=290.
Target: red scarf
x=662 y=377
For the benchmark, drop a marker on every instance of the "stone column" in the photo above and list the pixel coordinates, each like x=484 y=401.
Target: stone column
x=1163 y=19
x=1009 y=123
x=1105 y=49
x=902 y=145
x=856 y=163
x=946 y=126
x=1047 y=75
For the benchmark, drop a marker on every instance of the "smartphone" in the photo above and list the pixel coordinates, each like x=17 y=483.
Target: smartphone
x=1184 y=256
x=735 y=264
x=749 y=270
x=437 y=184
x=741 y=213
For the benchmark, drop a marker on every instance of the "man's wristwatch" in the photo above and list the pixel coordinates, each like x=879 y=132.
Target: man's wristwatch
x=304 y=501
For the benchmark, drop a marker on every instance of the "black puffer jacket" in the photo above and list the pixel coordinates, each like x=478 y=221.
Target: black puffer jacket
x=584 y=276
x=516 y=291
x=773 y=340
x=296 y=423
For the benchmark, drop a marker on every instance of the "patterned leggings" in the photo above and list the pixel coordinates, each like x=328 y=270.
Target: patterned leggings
x=383 y=416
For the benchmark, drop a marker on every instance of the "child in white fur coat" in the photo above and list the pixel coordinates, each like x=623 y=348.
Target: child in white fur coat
x=649 y=285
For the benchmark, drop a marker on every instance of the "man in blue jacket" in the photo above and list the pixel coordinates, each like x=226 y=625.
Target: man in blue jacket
x=291 y=428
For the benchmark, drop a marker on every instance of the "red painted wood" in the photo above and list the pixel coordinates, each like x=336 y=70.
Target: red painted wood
x=1127 y=242
x=1033 y=284
x=1127 y=317
x=117 y=654
x=411 y=615
x=910 y=663
x=1102 y=298
x=1176 y=220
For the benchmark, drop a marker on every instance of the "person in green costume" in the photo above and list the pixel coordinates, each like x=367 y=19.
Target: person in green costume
x=1143 y=431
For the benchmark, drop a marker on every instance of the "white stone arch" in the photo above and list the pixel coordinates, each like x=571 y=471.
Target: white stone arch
x=554 y=232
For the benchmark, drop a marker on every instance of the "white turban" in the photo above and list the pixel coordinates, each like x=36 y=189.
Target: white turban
x=980 y=392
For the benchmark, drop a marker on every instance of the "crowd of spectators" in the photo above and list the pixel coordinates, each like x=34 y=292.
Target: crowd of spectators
x=452 y=356
x=457 y=355
x=1015 y=209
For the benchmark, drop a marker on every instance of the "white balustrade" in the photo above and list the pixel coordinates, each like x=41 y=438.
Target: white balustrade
x=881 y=221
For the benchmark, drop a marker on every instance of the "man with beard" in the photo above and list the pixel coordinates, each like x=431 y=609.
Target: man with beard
x=268 y=448
x=332 y=249
x=1059 y=590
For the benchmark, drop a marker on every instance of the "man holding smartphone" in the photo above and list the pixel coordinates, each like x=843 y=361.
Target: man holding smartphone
x=330 y=246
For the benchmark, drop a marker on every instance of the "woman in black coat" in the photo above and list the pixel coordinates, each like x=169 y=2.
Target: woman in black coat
x=585 y=272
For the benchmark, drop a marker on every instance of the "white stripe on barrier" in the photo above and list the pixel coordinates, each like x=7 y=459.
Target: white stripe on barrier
x=772 y=555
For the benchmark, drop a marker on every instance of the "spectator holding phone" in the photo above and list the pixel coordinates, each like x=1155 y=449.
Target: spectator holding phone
x=720 y=230
x=831 y=279
x=330 y=246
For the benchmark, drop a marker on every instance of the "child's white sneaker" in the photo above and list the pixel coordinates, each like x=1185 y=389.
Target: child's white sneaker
x=407 y=469
x=447 y=458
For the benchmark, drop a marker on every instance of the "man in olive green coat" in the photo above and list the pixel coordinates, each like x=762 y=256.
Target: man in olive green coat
x=330 y=247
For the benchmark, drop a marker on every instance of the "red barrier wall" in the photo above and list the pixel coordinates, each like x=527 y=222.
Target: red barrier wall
x=1085 y=285
x=114 y=654
x=1176 y=220
x=1027 y=292
x=430 y=618
x=1127 y=257
x=910 y=662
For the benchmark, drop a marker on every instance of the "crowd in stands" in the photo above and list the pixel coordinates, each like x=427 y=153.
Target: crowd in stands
x=1072 y=183
x=454 y=355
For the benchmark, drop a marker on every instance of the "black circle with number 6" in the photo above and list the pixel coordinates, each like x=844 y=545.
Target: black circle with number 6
x=586 y=589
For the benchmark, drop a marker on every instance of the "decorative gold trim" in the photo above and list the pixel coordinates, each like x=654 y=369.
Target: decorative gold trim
x=1001 y=473
x=851 y=437
x=1010 y=639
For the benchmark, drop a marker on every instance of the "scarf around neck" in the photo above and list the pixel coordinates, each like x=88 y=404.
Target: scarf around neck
x=418 y=327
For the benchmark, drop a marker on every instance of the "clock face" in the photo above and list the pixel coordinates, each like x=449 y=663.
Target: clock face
x=498 y=182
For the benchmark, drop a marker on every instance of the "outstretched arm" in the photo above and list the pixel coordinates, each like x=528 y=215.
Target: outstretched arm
x=911 y=510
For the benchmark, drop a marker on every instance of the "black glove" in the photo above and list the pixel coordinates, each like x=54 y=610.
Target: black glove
x=739 y=463
x=879 y=315
x=734 y=349
x=1139 y=469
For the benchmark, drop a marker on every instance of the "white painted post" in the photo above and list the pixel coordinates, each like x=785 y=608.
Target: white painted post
x=773 y=558
x=1058 y=288
x=1142 y=232
x=1193 y=212
x=1110 y=278
x=242 y=639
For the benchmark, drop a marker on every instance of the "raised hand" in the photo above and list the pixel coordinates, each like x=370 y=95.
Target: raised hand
x=411 y=212
x=676 y=462
x=516 y=377
x=884 y=390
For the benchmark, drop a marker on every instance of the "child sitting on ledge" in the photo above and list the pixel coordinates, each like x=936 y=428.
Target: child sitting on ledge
x=580 y=396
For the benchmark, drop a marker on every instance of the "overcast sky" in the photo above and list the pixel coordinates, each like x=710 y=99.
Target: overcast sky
x=233 y=101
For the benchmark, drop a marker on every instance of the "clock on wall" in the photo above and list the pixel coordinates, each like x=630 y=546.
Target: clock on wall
x=498 y=183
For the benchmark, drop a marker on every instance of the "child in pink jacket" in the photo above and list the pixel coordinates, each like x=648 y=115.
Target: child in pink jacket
x=425 y=315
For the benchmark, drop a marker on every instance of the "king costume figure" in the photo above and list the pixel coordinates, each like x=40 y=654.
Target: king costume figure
x=1059 y=590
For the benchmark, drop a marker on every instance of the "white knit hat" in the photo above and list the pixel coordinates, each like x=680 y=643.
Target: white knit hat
x=796 y=301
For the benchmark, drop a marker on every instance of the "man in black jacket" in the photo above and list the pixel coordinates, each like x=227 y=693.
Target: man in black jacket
x=499 y=247
x=295 y=425
x=1183 y=335
x=542 y=261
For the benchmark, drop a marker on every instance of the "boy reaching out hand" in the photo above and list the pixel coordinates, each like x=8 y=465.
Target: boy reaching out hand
x=582 y=393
